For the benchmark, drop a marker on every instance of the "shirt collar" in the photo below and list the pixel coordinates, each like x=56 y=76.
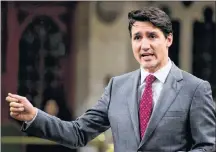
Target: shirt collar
x=161 y=74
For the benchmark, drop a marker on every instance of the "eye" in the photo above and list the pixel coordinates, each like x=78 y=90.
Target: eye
x=152 y=36
x=137 y=37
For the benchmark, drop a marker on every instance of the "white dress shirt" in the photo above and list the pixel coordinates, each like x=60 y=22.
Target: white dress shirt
x=158 y=84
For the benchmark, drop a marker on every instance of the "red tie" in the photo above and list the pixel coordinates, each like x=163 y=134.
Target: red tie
x=145 y=107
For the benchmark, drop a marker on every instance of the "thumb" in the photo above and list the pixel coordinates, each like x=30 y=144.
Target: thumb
x=20 y=98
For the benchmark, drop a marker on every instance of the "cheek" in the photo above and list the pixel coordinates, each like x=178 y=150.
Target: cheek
x=159 y=50
x=160 y=54
x=135 y=49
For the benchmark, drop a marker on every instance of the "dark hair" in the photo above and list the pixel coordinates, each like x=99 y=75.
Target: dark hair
x=153 y=15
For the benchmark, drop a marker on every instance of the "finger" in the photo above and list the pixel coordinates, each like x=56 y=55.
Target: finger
x=16 y=96
x=14 y=114
x=16 y=105
x=10 y=99
x=12 y=109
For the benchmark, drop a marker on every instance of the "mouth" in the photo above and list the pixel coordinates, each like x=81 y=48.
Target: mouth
x=146 y=55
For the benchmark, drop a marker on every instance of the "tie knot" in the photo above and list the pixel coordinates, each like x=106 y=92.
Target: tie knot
x=150 y=79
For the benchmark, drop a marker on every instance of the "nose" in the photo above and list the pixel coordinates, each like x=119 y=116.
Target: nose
x=145 y=46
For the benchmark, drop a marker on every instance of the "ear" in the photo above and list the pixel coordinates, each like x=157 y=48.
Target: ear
x=169 y=39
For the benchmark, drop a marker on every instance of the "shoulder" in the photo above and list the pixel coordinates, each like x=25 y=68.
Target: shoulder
x=191 y=79
x=123 y=81
x=127 y=76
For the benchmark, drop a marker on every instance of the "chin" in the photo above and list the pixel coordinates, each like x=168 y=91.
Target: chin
x=149 y=66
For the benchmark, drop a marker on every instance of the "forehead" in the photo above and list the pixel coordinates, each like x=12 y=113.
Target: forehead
x=144 y=27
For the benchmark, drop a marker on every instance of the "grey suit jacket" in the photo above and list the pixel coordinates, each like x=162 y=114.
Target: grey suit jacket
x=184 y=118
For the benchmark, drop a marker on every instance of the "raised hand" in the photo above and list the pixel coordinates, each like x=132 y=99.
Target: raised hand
x=21 y=108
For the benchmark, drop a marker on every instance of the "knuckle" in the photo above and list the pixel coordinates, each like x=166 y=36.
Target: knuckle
x=11 y=114
x=8 y=98
x=11 y=104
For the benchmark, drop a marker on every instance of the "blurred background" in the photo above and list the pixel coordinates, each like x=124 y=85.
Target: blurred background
x=61 y=55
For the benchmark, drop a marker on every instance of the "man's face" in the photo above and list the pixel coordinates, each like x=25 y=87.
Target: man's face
x=150 y=47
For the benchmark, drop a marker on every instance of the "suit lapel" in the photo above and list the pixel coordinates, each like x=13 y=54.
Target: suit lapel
x=132 y=97
x=168 y=94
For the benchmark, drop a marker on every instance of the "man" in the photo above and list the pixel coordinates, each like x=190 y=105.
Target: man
x=156 y=108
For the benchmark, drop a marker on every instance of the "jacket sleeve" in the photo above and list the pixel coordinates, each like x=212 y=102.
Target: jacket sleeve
x=203 y=119
x=76 y=133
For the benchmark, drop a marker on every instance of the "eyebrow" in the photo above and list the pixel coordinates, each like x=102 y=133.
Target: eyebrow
x=148 y=32
x=137 y=34
x=152 y=32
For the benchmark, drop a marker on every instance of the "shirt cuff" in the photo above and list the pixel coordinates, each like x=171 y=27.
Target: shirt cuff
x=28 y=123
